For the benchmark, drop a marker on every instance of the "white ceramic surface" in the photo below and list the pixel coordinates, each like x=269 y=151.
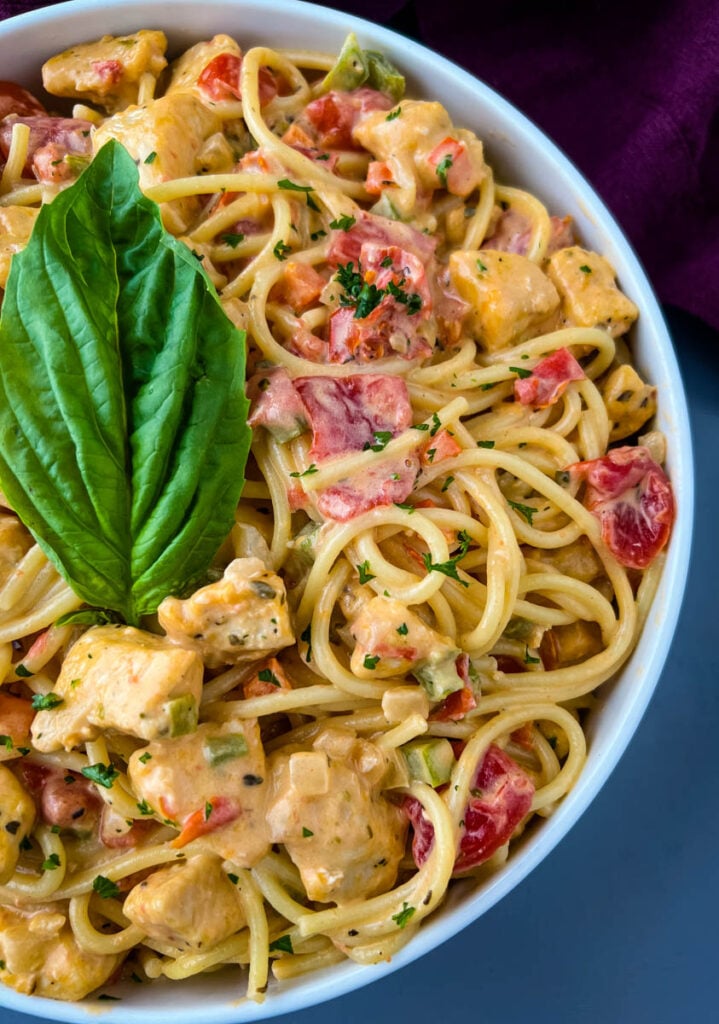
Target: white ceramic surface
x=521 y=155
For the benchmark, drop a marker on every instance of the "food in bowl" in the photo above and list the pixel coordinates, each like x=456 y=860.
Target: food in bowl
x=262 y=709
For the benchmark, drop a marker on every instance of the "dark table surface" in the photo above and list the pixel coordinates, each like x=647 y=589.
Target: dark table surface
x=618 y=925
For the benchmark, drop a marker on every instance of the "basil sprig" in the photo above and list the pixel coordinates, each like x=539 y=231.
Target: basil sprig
x=123 y=433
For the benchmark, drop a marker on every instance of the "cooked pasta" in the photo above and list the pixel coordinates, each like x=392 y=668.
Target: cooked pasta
x=449 y=536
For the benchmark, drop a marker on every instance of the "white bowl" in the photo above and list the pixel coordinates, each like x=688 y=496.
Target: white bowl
x=521 y=155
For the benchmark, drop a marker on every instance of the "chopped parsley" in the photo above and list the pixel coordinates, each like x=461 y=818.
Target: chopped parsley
x=51 y=863
x=393 y=114
x=46 y=701
x=144 y=808
x=442 y=167
x=446 y=484
x=364 y=572
x=151 y=157
x=381 y=440
x=521 y=372
x=524 y=510
x=485 y=444
x=307 y=472
x=280 y=250
x=316 y=235
x=6 y=741
x=282 y=945
x=103 y=774
x=21 y=671
x=404 y=916
x=266 y=675
x=370 y=661
x=481 y=267
x=449 y=568
x=233 y=238
x=403 y=630
x=585 y=269
x=144 y=758
x=306 y=833
x=292 y=186
x=233 y=877
x=343 y=223
x=105 y=887
x=436 y=424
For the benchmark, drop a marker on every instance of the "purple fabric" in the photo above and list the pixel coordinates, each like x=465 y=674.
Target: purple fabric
x=628 y=88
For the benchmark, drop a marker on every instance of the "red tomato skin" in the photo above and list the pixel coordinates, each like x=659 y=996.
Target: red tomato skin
x=16 y=100
x=549 y=379
x=502 y=797
x=632 y=497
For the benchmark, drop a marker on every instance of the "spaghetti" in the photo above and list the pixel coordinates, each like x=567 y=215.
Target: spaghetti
x=445 y=553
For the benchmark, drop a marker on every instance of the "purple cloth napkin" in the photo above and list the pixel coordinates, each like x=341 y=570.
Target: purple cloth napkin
x=629 y=90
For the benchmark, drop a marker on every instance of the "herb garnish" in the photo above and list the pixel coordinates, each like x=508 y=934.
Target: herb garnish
x=46 y=701
x=105 y=887
x=343 y=223
x=449 y=568
x=102 y=774
x=129 y=470
x=364 y=572
x=403 y=917
x=524 y=510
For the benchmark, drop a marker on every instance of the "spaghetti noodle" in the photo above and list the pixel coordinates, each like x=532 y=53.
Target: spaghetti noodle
x=436 y=561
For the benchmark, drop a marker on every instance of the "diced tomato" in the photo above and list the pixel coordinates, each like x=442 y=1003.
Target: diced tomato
x=443 y=446
x=549 y=379
x=379 y=176
x=346 y=413
x=454 y=707
x=220 y=80
x=269 y=678
x=306 y=344
x=501 y=795
x=16 y=715
x=524 y=736
x=65 y=798
x=67 y=136
x=110 y=71
x=298 y=138
x=512 y=233
x=346 y=246
x=334 y=115
x=219 y=811
x=276 y=404
x=299 y=286
x=16 y=100
x=390 y=483
x=451 y=163
x=632 y=497
x=562 y=235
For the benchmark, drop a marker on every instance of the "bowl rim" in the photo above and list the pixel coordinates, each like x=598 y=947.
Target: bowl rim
x=648 y=657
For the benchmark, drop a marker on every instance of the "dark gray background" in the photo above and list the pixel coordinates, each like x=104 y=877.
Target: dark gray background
x=619 y=924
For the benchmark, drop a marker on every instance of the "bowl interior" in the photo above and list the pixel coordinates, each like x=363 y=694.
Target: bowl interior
x=520 y=155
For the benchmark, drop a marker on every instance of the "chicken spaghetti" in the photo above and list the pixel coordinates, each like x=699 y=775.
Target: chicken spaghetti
x=449 y=536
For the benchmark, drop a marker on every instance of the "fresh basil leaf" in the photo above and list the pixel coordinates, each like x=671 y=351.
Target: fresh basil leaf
x=123 y=430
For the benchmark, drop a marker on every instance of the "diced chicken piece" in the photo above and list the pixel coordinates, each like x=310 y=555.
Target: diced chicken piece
x=108 y=71
x=511 y=299
x=410 y=145
x=17 y=817
x=15 y=539
x=630 y=402
x=212 y=786
x=39 y=955
x=327 y=807
x=16 y=224
x=16 y=715
x=391 y=641
x=174 y=129
x=242 y=617
x=570 y=644
x=590 y=297
x=578 y=559
x=193 y=905
x=121 y=678
x=186 y=71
